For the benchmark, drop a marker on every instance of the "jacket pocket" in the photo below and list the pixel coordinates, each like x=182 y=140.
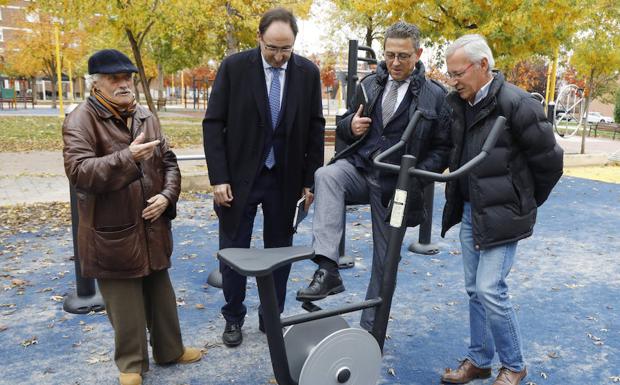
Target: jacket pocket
x=118 y=248
x=161 y=238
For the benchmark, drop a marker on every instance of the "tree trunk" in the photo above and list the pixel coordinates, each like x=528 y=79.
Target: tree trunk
x=136 y=84
x=369 y=32
x=143 y=80
x=54 y=85
x=33 y=87
x=231 y=41
x=586 y=109
x=160 y=81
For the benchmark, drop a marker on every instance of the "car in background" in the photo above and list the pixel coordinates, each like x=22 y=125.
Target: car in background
x=596 y=117
x=560 y=113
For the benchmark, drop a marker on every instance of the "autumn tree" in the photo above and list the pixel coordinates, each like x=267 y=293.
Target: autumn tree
x=596 y=52
x=371 y=17
x=530 y=74
x=40 y=56
x=515 y=30
x=236 y=21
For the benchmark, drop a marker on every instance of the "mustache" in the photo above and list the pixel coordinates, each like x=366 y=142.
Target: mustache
x=123 y=91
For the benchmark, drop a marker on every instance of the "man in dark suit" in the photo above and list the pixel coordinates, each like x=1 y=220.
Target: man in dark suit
x=263 y=140
x=394 y=93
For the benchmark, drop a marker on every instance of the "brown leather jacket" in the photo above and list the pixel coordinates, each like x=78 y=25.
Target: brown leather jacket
x=113 y=239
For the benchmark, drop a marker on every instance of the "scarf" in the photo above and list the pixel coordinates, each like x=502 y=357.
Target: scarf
x=120 y=112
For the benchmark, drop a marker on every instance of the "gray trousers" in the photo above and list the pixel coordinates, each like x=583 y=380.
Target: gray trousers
x=334 y=185
x=135 y=304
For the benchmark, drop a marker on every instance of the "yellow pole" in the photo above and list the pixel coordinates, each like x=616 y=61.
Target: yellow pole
x=548 y=82
x=61 y=111
x=554 y=70
x=70 y=81
x=172 y=85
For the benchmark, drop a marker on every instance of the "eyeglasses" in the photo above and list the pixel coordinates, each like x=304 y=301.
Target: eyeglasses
x=458 y=75
x=274 y=49
x=402 y=57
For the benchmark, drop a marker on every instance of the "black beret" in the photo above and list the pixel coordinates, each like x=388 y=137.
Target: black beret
x=110 y=61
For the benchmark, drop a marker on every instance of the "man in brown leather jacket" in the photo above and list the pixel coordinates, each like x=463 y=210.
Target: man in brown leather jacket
x=127 y=183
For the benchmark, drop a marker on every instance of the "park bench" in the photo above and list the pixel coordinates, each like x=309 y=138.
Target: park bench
x=9 y=101
x=161 y=104
x=607 y=127
x=25 y=100
x=330 y=136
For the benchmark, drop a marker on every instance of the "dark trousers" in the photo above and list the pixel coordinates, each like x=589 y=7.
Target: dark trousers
x=135 y=305
x=277 y=232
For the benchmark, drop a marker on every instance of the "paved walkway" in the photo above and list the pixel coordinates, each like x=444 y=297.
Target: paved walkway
x=39 y=176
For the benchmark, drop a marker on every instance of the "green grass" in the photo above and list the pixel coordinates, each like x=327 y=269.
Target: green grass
x=25 y=133
x=44 y=133
x=590 y=131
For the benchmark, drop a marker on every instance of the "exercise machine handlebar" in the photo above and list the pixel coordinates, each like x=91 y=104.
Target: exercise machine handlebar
x=489 y=143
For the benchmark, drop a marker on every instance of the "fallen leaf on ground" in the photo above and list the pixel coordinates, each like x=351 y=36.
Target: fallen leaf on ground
x=30 y=341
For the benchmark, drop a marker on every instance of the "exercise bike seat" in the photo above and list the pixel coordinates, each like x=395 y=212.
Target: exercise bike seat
x=259 y=262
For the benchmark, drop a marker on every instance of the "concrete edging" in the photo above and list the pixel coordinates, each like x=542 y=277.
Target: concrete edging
x=199 y=181
x=581 y=160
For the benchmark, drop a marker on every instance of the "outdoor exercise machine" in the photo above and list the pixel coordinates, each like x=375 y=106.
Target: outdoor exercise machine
x=86 y=297
x=319 y=347
x=423 y=245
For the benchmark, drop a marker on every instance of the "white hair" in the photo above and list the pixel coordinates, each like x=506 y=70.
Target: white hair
x=475 y=47
x=90 y=80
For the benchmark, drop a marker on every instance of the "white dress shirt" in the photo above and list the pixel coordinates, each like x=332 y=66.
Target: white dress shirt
x=482 y=93
x=268 y=76
x=402 y=90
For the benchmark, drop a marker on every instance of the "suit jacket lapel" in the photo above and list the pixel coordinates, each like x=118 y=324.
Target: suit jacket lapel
x=258 y=86
x=291 y=95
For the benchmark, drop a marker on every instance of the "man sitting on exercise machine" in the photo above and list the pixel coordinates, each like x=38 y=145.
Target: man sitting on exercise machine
x=395 y=91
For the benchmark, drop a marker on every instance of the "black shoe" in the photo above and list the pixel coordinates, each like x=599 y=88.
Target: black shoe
x=261 y=325
x=232 y=334
x=323 y=284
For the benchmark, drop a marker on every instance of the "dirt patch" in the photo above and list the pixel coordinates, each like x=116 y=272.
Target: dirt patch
x=610 y=174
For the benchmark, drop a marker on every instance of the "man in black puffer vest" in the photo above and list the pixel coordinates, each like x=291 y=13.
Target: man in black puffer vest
x=394 y=93
x=496 y=203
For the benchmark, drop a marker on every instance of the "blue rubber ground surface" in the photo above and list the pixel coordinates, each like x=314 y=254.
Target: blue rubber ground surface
x=566 y=285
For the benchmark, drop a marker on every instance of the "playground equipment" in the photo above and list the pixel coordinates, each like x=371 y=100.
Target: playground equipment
x=569 y=110
x=319 y=347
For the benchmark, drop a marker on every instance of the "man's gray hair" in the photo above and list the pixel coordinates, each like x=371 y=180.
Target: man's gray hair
x=402 y=30
x=90 y=80
x=475 y=47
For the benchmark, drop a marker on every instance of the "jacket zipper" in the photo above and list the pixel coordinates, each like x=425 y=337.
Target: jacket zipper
x=147 y=225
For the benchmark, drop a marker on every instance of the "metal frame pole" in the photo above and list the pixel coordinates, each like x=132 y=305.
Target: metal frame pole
x=86 y=298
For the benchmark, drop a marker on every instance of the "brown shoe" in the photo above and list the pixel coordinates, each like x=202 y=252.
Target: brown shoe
x=130 y=379
x=189 y=355
x=465 y=373
x=508 y=377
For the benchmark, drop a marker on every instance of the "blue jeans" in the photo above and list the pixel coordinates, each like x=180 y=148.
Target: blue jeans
x=492 y=319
